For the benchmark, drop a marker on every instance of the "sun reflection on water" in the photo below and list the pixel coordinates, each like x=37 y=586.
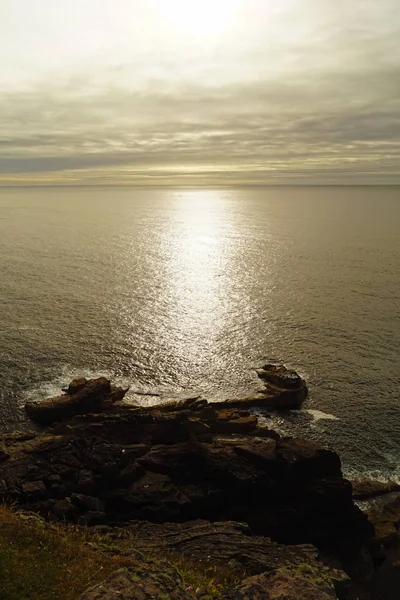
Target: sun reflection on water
x=199 y=256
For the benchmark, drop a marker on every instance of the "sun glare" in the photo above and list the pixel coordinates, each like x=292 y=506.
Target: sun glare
x=199 y=17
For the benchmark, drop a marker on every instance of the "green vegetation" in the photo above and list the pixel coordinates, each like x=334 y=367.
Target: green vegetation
x=54 y=562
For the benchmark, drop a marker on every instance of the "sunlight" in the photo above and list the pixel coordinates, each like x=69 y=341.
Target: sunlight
x=199 y=252
x=200 y=17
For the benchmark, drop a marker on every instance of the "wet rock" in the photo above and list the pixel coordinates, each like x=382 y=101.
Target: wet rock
x=233 y=421
x=118 y=393
x=82 y=397
x=76 y=385
x=364 y=489
x=283 y=389
x=208 y=414
x=264 y=432
x=280 y=377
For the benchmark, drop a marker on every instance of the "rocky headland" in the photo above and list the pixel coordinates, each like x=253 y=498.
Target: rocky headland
x=200 y=479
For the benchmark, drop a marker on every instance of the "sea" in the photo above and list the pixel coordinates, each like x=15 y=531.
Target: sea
x=179 y=292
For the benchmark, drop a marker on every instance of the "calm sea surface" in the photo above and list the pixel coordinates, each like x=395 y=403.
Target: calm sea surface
x=180 y=291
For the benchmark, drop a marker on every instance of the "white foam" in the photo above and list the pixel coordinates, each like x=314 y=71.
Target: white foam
x=388 y=471
x=52 y=388
x=137 y=394
x=318 y=415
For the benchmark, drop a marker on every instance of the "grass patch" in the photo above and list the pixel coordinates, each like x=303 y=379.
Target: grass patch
x=54 y=562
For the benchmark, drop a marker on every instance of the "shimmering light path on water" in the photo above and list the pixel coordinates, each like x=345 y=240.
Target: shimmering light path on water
x=177 y=291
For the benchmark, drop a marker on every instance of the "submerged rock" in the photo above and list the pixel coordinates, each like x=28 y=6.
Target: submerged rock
x=83 y=396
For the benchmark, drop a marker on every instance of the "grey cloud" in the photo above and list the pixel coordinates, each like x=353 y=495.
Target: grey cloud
x=349 y=119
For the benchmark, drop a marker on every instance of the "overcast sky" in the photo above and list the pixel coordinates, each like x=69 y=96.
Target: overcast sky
x=199 y=91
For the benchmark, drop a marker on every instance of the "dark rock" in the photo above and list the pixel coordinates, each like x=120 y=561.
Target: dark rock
x=155 y=583
x=233 y=421
x=64 y=510
x=283 y=389
x=154 y=465
x=54 y=478
x=370 y=488
x=92 y=517
x=386 y=520
x=260 y=453
x=130 y=474
x=85 y=397
x=57 y=491
x=14 y=492
x=208 y=414
x=4 y=456
x=3 y=488
x=264 y=432
x=76 y=385
x=34 y=489
x=303 y=584
x=280 y=377
x=197 y=427
x=88 y=502
x=221 y=543
x=118 y=393
x=205 y=438
x=86 y=482
x=308 y=460
x=133 y=451
x=110 y=471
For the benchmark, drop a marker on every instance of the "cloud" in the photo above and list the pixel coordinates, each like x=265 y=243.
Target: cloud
x=323 y=108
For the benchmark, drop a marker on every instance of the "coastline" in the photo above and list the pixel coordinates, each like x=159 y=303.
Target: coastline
x=103 y=462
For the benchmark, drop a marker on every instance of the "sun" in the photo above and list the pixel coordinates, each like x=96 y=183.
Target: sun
x=199 y=17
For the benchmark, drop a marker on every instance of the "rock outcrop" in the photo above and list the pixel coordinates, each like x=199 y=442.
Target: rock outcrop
x=386 y=519
x=365 y=489
x=82 y=396
x=182 y=462
x=153 y=584
x=225 y=542
x=308 y=584
x=283 y=389
x=284 y=585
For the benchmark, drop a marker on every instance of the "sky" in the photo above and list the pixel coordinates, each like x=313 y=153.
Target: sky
x=199 y=92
